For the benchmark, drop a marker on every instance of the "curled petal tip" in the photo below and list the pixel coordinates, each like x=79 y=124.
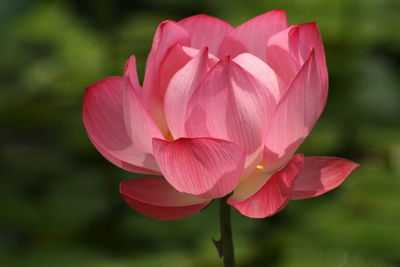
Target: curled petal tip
x=278 y=11
x=204 y=49
x=311 y=23
x=163 y=23
x=322 y=174
x=226 y=58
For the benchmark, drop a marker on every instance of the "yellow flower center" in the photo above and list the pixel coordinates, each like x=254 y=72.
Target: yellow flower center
x=260 y=167
x=168 y=136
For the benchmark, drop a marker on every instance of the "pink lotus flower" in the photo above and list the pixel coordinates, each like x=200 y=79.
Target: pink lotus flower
x=221 y=110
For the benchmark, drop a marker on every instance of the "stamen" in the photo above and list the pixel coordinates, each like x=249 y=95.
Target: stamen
x=260 y=167
x=168 y=136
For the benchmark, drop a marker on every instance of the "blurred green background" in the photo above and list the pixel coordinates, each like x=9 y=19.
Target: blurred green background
x=59 y=201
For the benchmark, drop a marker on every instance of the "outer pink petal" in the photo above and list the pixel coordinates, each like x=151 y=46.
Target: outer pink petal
x=180 y=90
x=295 y=115
x=320 y=175
x=164 y=213
x=131 y=73
x=309 y=39
x=140 y=125
x=288 y=50
x=176 y=58
x=103 y=117
x=280 y=56
x=274 y=195
x=157 y=191
x=206 y=31
x=155 y=198
x=138 y=156
x=204 y=167
x=231 y=104
x=168 y=34
x=252 y=36
x=260 y=70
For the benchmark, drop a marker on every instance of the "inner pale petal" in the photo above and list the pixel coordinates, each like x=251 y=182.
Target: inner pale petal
x=251 y=162
x=251 y=184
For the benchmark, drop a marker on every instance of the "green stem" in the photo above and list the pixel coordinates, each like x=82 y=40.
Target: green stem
x=225 y=244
